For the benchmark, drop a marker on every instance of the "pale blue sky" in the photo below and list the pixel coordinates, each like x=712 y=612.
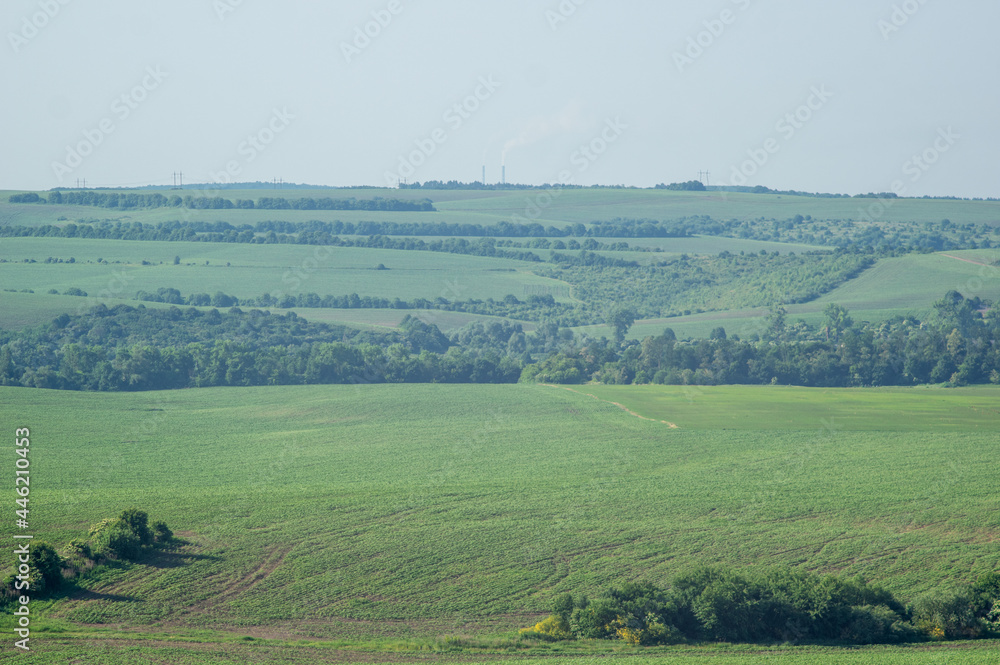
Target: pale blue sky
x=327 y=111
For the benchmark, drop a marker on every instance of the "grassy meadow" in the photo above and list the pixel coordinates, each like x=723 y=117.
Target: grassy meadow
x=253 y=270
x=409 y=512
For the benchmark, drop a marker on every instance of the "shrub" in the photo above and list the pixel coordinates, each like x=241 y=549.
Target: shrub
x=46 y=568
x=637 y=632
x=96 y=530
x=562 y=606
x=594 y=620
x=993 y=618
x=162 y=533
x=118 y=542
x=946 y=615
x=985 y=593
x=137 y=521
x=79 y=549
x=553 y=626
x=876 y=624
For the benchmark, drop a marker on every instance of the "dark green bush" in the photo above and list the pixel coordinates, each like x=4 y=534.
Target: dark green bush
x=162 y=533
x=984 y=593
x=593 y=621
x=947 y=615
x=46 y=569
x=118 y=542
x=137 y=522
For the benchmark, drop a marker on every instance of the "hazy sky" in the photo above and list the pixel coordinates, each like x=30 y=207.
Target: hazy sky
x=819 y=96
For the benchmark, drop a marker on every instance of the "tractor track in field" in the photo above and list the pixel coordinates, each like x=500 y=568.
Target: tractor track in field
x=247 y=582
x=959 y=258
x=618 y=404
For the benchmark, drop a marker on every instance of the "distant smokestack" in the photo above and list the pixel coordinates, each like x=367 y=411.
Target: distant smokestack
x=484 y=174
x=503 y=175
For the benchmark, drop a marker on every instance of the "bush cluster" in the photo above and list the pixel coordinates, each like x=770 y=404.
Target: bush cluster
x=772 y=606
x=127 y=537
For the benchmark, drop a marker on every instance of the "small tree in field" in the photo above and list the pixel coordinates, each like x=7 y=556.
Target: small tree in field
x=622 y=319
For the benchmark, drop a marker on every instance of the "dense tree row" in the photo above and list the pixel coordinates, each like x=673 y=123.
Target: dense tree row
x=780 y=605
x=532 y=308
x=126 y=348
x=132 y=201
x=958 y=345
x=122 y=325
x=882 y=239
x=689 y=186
x=289 y=232
x=863 y=233
x=144 y=367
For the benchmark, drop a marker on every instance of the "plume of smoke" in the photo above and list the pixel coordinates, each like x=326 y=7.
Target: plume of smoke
x=569 y=119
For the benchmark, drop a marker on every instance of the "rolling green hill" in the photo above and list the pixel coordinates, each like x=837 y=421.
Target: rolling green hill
x=412 y=522
x=412 y=511
x=254 y=270
x=906 y=284
x=900 y=286
x=568 y=206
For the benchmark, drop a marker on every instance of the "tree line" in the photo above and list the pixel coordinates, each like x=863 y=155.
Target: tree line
x=133 y=201
x=281 y=231
x=959 y=344
x=129 y=349
x=532 y=308
x=774 y=605
x=487 y=247
x=126 y=348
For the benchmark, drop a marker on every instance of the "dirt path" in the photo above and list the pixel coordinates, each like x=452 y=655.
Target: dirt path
x=619 y=405
x=959 y=258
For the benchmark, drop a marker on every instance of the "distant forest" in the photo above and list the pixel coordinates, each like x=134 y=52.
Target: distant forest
x=139 y=348
x=131 y=201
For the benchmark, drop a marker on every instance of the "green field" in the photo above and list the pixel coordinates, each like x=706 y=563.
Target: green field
x=901 y=286
x=408 y=512
x=568 y=206
x=429 y=522
x=905 y=285
x=59 y=649
x=599 y=204
x=254 y=270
